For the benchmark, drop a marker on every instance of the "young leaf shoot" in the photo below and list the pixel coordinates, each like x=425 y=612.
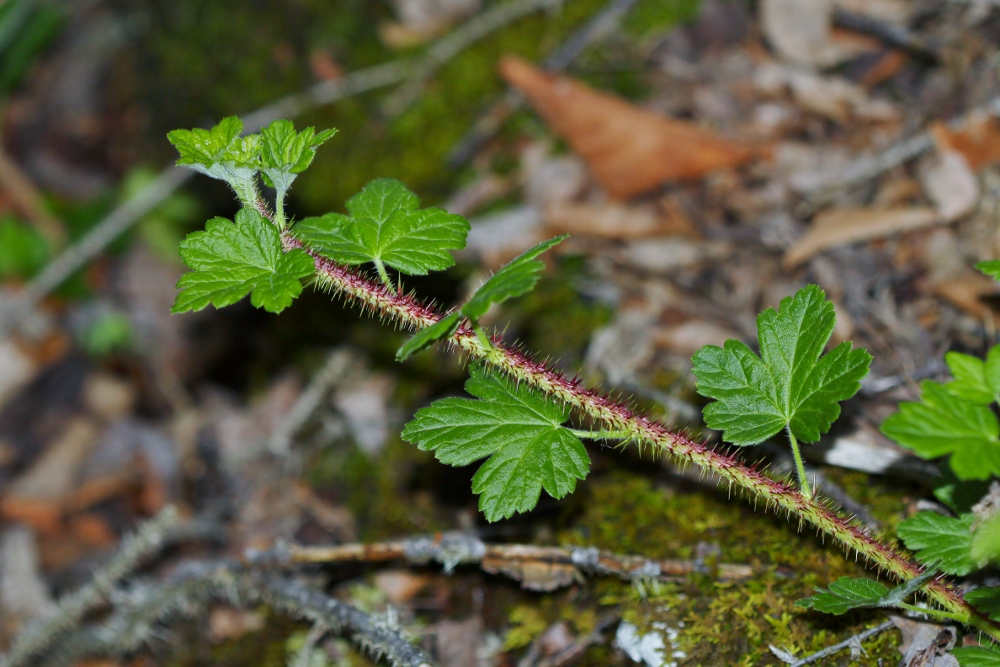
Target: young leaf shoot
x=220 y=152
x=940 y=541
x=790 y=386
x=285 y=154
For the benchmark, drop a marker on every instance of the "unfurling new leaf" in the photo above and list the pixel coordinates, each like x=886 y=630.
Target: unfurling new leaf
x=220 y=152
x=230 y=260
x=387 y=227
x=519 y=430
x=790 y=385
x=285 y=154
x=515 y=278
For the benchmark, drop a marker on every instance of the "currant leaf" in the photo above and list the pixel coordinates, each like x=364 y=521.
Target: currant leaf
x=943 y=424
x=790 y=385
x=976 y=381
x=286 y=153
x=426 y=337
x=386 y=227
x=518 y=429
x=848 y=593
x=233 y=259
x=940 y=541
x=220 y=152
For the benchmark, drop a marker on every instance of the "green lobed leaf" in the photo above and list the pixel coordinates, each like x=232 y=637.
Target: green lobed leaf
x=976 y=381
x=790 y=385
x=849 y=593
x=427 y=336
x=230 y=260
x=519 y=430
x=23 y=251
x=990 y=268
x=845 y=594
x=986 y=600
x=286 y=153
x=386 y=226
x=940 y=541
x=942 y=424
x=517 y=277
x=977 y=656
x=986 y=540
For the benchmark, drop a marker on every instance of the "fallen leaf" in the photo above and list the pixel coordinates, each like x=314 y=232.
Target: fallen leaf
x=609 y=221
x=458 y=642
x=851 y=225
x=925 y=644
x=978 y=140
x=966 y=292
x=628 y=150
x=226 y=623
x=533 y=573
x=400 y=586
x=24 y=594
x=802 y=32
x=950 y=184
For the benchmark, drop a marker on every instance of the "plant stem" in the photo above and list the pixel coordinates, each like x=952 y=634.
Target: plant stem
x=384 y=275
x=934 y=613
x=404 y=310
x=279 y=211
x=799 y=467
x=600 y=435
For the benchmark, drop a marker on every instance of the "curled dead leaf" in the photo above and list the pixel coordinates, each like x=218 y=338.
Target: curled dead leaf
x=628 y=150
x=852 y=225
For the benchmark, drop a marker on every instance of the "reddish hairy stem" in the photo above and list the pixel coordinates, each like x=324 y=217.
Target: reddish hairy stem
x=405 y=310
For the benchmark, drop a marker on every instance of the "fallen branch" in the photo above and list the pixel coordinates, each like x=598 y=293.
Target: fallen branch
x=146 y=542
x=142 y=608
x=538 y=568
x=836 y=648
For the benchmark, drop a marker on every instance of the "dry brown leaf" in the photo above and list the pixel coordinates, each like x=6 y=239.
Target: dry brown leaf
x=629 y=150
x=967 y=292
x=534 y=575
x=851 y=225
x=978 y=140
x=610 y=221
x=950 y=184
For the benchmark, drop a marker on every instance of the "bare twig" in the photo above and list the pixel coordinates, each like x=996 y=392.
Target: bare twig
x=193 y=585
x=452 y=549
x=143 y=544
x=847 y=643
x=29 y=202
x=332 y=372
x=869 y=167
x=451 y=45
x=488 y=124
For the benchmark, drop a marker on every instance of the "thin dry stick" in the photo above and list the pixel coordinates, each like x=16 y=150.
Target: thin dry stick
x=146 y=542
x=451 y=45
x=332 y=372
x=25 y=195
x=122 y=218
x=868 y=167
x=603 y=23
x=452 y=549
x=847 y=643
x=194 y=584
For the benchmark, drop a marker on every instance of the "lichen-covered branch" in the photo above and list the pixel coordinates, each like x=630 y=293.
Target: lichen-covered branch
x=146 y=541
x=557 y=566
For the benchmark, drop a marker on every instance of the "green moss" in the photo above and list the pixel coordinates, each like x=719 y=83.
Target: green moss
x=720 y=623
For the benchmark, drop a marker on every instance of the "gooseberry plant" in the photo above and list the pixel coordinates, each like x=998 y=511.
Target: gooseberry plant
x=527 y=420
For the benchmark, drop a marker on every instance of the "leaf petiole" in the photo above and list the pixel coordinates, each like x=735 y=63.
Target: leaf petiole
x=799 y=467
x=384 y=275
